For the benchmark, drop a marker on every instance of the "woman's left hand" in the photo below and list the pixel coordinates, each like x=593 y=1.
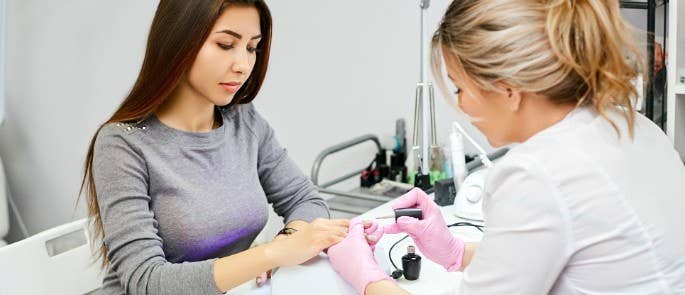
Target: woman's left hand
x=302 y=225
x=307 y=242
x=353 y=259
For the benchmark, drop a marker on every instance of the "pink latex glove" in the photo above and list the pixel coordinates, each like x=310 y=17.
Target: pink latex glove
x=353 y=259
x=373 y=233
x=431 y=235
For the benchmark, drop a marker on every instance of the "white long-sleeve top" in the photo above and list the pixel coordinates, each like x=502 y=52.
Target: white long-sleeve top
x=577 y=210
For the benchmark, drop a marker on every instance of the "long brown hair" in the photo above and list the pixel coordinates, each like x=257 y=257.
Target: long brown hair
x=178 y=31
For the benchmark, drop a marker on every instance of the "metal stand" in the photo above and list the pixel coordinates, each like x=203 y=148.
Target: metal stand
x=425 y=96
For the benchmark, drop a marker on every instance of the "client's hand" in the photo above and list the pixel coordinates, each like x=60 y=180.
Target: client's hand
x=309 y=240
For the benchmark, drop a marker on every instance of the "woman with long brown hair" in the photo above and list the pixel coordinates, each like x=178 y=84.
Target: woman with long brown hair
x=590 y=198
x=179 y=179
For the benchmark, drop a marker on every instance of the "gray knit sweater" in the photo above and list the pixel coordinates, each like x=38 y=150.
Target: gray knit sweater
x=172 y=201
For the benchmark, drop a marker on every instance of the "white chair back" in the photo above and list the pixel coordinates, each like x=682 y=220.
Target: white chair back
x=56 y=261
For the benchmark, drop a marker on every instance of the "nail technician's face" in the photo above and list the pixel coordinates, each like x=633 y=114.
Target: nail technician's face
x=228 y=56
x=487 y=110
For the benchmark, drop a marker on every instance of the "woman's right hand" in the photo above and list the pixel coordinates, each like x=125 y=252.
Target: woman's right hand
x=308 y=241
x=430 y=234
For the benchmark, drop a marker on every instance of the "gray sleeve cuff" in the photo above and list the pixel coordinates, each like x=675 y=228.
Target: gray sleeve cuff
x=202 y=278
x=209 y=278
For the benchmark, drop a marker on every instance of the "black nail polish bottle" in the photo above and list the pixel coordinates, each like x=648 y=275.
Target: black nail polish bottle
x=411 y=264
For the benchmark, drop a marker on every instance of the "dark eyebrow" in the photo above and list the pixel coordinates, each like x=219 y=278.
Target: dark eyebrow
x=234 y=34
x=448 y=76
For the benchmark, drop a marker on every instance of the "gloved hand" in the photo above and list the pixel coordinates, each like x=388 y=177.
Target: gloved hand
x=431 y=235
x=353 y=259
x=373 y=232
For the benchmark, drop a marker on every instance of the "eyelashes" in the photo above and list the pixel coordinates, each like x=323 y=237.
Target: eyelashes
x=229 y=47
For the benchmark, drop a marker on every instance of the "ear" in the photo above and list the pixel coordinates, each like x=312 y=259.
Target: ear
x=514 y=98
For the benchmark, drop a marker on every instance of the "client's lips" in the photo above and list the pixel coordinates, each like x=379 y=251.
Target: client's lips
x=231 y=87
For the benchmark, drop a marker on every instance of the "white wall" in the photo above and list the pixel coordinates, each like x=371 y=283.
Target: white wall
x=339 y=69
x=69 y=63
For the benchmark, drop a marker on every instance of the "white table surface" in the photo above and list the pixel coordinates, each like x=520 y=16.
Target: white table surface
x=317 y=277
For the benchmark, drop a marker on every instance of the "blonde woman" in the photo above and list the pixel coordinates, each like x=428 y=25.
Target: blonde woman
x=589 y=201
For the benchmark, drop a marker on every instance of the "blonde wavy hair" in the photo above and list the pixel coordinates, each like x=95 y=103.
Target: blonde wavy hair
x=567 y=50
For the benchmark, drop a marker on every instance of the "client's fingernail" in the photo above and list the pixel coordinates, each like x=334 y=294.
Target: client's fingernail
x=372 y=238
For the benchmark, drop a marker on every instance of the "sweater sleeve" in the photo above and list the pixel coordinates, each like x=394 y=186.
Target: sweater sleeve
x=292 y=194
x=130 y=230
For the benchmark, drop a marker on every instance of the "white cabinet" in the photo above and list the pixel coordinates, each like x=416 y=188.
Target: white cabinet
x=675 y=125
